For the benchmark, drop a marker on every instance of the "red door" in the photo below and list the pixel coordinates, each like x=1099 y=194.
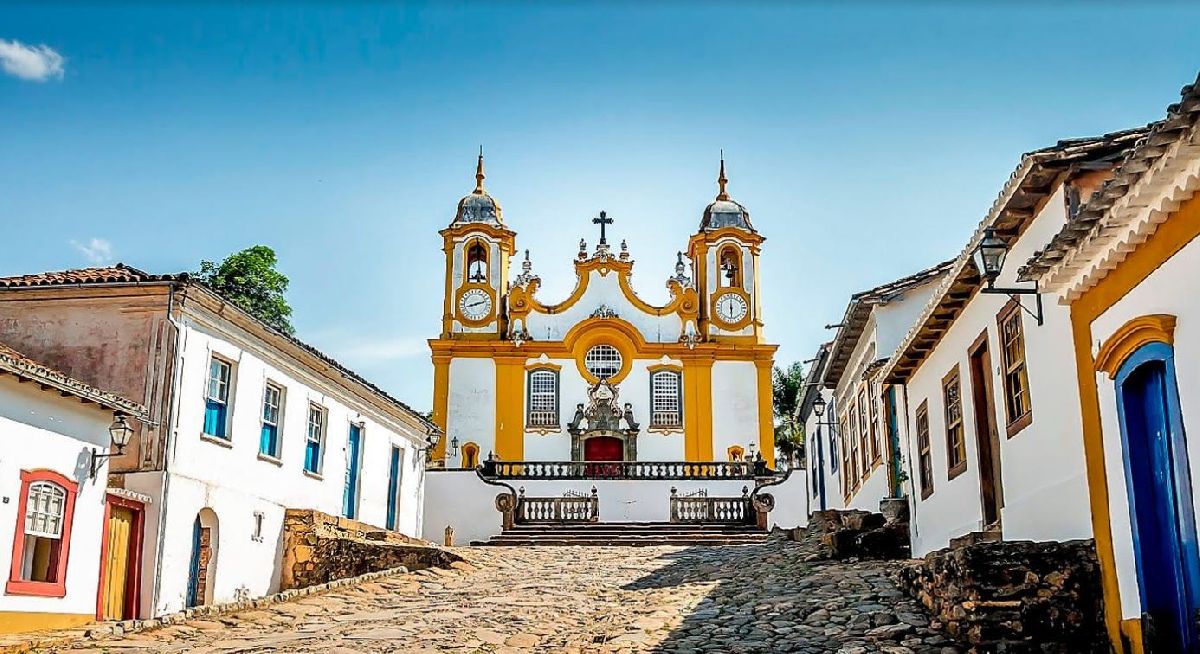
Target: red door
x=603 y=448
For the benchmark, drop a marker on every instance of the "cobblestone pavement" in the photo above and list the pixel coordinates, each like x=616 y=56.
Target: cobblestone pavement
x=736 y=599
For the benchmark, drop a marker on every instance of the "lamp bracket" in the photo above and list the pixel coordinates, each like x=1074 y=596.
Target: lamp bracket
x=1014 y=293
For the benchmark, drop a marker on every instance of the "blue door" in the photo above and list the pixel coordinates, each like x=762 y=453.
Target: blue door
x=194 y=566
x=1160 y=499
x=393 y=500
x=894 y=444
x=353 y=463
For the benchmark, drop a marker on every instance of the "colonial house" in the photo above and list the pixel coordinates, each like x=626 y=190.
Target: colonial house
x=993 y=445
x=865 y=411
x=244 y=421
x=1127 y=267
x=601 y=375
x=820 y=442
x=69 y=542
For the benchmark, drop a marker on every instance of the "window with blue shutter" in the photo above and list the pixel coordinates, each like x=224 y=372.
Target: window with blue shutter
x=268 y=443
x=314 y=439
x=216 y=400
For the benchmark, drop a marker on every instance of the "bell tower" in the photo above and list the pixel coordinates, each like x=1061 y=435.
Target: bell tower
x=478 y=247
x=725 y=254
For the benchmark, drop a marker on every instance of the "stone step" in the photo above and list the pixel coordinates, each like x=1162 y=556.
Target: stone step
x=623 y=541
x=627 y=533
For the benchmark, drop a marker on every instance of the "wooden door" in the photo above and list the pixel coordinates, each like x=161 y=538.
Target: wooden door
x=116 y=572
x=991 y=488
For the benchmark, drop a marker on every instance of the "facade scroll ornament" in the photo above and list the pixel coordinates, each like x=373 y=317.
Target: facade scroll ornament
x=604 y=312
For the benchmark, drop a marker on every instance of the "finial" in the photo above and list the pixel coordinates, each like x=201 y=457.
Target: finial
x=721 y=180
x=679 y=263
x=479 y=172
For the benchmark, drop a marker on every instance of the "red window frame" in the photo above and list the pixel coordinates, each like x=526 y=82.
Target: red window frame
x=58 y=588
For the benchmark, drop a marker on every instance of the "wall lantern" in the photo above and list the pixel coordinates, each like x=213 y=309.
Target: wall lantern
x=454 y=446
x=120 y=432
x=990 y=255
x=434 y=437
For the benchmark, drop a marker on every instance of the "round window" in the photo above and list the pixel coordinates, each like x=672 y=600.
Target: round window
x=603 y=361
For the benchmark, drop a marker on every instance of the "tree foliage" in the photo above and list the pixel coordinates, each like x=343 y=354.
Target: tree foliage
x=787 y=389
x=249 y=279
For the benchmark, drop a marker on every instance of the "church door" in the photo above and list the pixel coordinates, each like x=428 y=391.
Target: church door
x=603 y=448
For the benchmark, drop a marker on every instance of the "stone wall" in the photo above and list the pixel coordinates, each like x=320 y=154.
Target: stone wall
x=854 y=534
x=1014 y=596
x=319 y=548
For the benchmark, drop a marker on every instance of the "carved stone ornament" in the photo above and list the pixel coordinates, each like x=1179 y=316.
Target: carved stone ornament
x=604 y=312
x=603 y=416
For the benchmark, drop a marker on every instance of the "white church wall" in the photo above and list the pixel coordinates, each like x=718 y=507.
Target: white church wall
x=734 y=406
x=472 y=401
x=792 y=502
x=605 y=290
x=1171 y=289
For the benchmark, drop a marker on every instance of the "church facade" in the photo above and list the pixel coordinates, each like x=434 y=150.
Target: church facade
x=601 y=375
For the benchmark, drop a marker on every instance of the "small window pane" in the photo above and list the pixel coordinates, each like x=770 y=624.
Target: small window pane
x=44 y=509
x=543 y=398
x=665 y=409
x=603 y=361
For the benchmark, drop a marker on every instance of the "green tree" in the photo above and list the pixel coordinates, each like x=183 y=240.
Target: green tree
x=249 y=279
x=787 y=389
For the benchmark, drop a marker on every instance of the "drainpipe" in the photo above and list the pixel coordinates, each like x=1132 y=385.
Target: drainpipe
x=913 y=483
x=170 y=429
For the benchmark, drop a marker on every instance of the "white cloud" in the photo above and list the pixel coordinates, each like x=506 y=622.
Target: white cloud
x=37 y=63
x=97 y=250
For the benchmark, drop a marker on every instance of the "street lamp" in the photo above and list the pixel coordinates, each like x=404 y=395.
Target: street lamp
x=433 y=439
x=990 y=255
x=454 y=446
x=819 y=406
x=119 y=432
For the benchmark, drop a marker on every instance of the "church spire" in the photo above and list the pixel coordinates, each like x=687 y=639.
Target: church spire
x=479 y=176
x=722 y=180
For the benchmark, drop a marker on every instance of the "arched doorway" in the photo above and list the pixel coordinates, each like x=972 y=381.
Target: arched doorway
x=1159 y=487
x=603 y=448
x=202 y=569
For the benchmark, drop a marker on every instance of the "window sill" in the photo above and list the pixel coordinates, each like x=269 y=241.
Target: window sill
x=1019 y=424
x=217 y=440
x=314 y=475
x=956 y=471
x=269 y=459
x=926 y=493
x=665 y=429
x=35 y=588
x=542 y=429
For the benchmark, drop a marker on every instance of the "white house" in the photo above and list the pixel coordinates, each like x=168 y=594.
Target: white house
x=1128 y=268
x=863 y=411
x=57 y=515
x=993 y=445
x=821 y=445
x=245 y=422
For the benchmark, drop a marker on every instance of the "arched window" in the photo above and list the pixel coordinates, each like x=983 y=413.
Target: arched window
x=666 y=399
x=736 y=453
x=603 y=361
x=543 y=398
x=730 y=264
x=470 y=456
x=477 y=262
x=43 y=535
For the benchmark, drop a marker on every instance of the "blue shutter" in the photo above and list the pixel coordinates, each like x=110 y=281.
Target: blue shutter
x=353 y=454
x=214 y=418
x=268 y=440
x=393 y=483
x=312 y=454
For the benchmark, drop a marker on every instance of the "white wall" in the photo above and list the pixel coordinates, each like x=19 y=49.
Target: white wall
x=1172 y=289
x=603 y=290
x=734 y=407
x=235 y=482
x=830 y=459
x=791 y=502
x=1045 y=487
x=471 y=415
x=41 y=429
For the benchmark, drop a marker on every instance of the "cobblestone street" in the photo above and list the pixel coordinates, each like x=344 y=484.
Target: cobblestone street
x=755 y=598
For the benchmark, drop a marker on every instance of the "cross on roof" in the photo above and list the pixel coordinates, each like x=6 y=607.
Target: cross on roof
x=603 y=221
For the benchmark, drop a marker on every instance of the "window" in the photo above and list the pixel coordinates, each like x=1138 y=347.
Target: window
x=833 y=439
x=216 y=399
x=855 y=466
x=956 y=442
x=730 y=274
x=470 y=456
x=864 y=433
x=258 y=526
x=1017 y=406
x=43 y=535
x=924 y=455
x=873 y=403
x=314 y=439
x=666 y=399
x=603 y=361
x=543 y=398
x=268 y=444
x=477 y=264
x=395 y=483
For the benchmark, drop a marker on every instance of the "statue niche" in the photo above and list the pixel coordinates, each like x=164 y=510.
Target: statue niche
x=603 y=430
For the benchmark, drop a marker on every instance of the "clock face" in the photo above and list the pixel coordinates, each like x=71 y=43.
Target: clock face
x=731 y=308
x=475 y=304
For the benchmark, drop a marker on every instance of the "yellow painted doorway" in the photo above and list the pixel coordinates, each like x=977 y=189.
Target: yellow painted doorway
x=116 y=563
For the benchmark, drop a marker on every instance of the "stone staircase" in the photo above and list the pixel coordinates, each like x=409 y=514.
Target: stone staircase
x=626 y=534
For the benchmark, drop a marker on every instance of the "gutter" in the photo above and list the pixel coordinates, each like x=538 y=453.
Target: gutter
x=170 y=431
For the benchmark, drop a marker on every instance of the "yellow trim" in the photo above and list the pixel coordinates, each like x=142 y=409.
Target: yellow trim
x=1156 y=328
x=659 y=367
x=441 y=402
x=697 y=410
x=463 y=459
x=537 y=364
x=735 y=453
x=1179 y=229
x=510 y=408
x=766 y=412
x=16 y=622
x=604 y=331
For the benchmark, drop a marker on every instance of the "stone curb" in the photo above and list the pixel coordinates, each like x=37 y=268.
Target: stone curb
x=102 y=629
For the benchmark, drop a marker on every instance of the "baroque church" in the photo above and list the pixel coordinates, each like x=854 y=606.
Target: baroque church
x=602 y=375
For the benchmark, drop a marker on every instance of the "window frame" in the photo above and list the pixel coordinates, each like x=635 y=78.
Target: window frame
x=873 y=424
x=620 y=360
x=1011 y=312
x=226 y=403
x=864 y=432
x=530 y=422
x=655 y=414
x=853 y=456
x=924 y=449
x=57 y=588
x=316 y=409
x=952 y=426
x=281 y=400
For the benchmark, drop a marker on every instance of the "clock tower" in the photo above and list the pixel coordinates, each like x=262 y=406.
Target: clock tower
x=478 y=247
x=725 y=253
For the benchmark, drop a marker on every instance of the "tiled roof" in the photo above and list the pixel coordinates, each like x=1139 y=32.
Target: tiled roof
x=15 y=363
x=122 y=274
x=859 y=310
x=1034 y=179
x=1095 y=222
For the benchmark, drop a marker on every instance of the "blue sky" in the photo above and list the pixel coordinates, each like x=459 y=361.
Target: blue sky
x=866 y=141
